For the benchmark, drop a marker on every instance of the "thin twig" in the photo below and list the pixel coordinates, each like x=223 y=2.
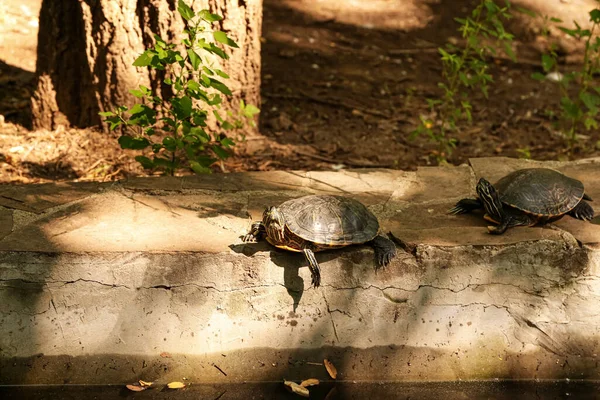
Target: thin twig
x=345 y=162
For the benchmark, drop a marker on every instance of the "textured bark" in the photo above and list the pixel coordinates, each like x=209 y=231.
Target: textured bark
x=86 y=49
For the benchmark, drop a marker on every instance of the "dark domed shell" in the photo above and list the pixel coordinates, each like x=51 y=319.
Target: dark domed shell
x=331 y=220
x=540 y=191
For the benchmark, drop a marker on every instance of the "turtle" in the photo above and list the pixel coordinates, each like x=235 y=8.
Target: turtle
x=529 y=197
x=321 y=222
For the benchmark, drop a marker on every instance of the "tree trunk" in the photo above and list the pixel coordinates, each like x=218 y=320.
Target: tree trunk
x=86 y=49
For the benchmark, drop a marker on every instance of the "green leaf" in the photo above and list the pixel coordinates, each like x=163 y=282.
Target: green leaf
x=144 y=59
x=595 y=16
x=548 y=62
x=591 y=101
x=186 y=12
x=227 y=142
x=569 y=32
x=137 y=93
x=526 y=11
x=208 y=17
x=221 y=73
x=590 y=123
x=557 y=20
x=106 y=113
x=509 y=51
x=208 y=71
x=538 y=76
x=227 y=125
x=221 y=87
x=128 y=142
x=114 y=122
x=250 y=110
x=145 y=161
x=220 y=152
x=160 y=42
x=182 y=106
x=570 y=108
x=218 y=51
x=169 y=143
x=194 y=59
x=199 y=168
x=218 y=116
x=223 y=38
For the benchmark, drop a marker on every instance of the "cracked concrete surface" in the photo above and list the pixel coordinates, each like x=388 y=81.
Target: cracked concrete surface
x=97 y=281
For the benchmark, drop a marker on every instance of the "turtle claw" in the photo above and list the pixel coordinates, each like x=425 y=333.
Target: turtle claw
x=456 y=210
x=250 y=238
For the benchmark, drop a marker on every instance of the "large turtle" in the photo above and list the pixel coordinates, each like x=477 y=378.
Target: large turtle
x=528 y=197
x=313 y=223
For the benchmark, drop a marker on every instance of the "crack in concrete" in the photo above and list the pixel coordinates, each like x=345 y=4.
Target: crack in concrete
x=207 y=287
x=429 y=286
x=331 y=317
x=46 y=282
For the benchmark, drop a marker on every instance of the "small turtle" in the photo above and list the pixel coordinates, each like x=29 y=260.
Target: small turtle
x=314 y=223
x=528 y=197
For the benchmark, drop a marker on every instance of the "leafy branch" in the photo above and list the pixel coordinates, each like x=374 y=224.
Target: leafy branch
x=175 y=129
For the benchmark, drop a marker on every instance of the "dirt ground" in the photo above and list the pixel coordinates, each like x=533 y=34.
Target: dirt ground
x=343 y=85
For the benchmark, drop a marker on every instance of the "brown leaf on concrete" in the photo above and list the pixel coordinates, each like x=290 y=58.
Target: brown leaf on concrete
x=135 y=388
x=309 y=382
x=164 y=354
x=295 y=388
x=330 y=368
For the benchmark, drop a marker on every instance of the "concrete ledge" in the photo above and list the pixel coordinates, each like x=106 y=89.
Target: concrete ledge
x=148 y=279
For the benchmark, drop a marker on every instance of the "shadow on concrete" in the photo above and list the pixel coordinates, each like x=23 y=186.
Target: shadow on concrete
x=16 y=87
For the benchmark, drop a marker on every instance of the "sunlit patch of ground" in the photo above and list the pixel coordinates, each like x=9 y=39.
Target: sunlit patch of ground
x=381 y=14
x=18 y=33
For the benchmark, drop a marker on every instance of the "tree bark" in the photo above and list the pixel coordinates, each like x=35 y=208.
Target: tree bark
x=86 y=49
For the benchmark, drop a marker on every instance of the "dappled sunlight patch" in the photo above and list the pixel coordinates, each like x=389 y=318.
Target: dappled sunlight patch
x=373 y=14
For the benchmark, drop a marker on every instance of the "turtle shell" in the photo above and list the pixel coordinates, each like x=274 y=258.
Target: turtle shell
x=330 y=220
x=540 y=191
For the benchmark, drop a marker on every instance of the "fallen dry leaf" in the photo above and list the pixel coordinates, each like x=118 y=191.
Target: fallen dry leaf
x=135 y=388
x=295 y=388
x=144 y=383
x=330 y=368
x=309 y=382
x=164 y=354
x=175 y=385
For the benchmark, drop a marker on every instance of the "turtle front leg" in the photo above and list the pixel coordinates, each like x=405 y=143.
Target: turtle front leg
x=313 y=265
x=465 y=205
x=500 y=229
x=257 y=232
x=385 y=250
x=510 y=220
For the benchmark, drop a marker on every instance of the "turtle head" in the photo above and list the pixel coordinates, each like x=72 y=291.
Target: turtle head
x=274 y=222
x=491 y=200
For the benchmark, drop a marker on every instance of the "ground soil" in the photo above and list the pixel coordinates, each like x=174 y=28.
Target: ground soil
x=343 y=85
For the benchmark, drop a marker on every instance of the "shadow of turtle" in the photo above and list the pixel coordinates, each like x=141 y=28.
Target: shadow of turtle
x=291 y=262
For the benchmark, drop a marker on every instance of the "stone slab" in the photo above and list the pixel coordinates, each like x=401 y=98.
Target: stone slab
x=6 y=222
x=149 y=279
x=39 y=197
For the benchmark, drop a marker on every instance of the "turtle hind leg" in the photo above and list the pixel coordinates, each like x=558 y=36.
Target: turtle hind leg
x=582 y=211
x=313 y=265
x=385 y=250
x=465 y=205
